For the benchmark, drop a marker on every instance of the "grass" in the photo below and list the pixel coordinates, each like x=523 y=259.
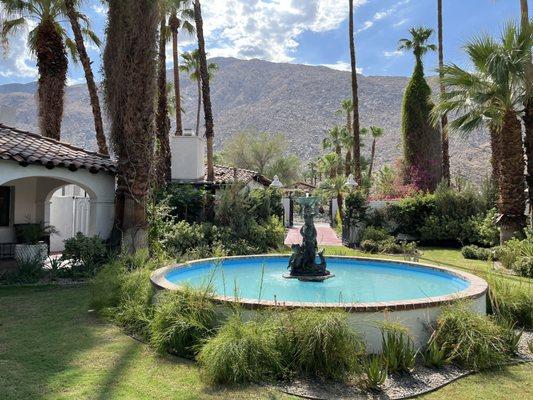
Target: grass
x=51 y=347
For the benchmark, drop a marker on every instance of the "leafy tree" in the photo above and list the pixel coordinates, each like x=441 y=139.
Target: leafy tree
x=49 y=42
x=494 y=94
x=421 y=141
x=286 y=168
x=191 y=66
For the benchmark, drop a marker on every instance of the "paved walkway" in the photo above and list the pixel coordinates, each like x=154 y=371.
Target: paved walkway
x=325 y=235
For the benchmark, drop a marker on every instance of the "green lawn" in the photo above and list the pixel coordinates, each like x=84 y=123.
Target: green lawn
x=51 y=347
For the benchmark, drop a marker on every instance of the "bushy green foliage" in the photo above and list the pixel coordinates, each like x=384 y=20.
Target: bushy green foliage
x=355 y=208
x=28 y=271
x=107 y=284
x=186 y=202
x=434 y=355
x=524 y=266
x=376 y=234
x=473 y=252
x=181 y=320
x=398 y=351
x=517 y=254
x=511 y=301
x=319 y=343
x=473 y=340
x=375 y=372
x=86 y=254
x=241 y=352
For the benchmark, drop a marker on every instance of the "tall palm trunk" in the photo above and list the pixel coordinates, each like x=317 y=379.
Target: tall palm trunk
x=496 y=156
x=163 y=173
x=338 y=151
x=130 y=71
x=89 y=77
x=512 y=183
x=199 y=105
x=340 y=202
x=528 y=108
x=372 y=155
x=444 y=118
x=348 y=162
x=355 y=100
x=174 y=24
x=206 y=95
x=52 y=64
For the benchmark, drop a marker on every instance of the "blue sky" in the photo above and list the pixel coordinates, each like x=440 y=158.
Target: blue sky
x=308 y=32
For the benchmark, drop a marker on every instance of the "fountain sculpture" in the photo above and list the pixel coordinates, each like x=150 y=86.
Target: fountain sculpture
x=303 y=262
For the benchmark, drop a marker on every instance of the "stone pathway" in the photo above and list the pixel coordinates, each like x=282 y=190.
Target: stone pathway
x=325 y=235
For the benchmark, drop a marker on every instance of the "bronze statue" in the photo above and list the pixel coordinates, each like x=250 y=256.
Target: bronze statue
x=303 y=261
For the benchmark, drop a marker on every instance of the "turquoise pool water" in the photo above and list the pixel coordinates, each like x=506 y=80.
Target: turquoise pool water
x=355 y=280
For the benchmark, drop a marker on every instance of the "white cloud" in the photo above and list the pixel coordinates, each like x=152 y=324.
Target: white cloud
x=400 y=22
x=384 y=14
x=100 y=9
x=393 y=53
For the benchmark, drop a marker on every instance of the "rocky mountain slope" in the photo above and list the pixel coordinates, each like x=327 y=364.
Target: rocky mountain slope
x=297 y=100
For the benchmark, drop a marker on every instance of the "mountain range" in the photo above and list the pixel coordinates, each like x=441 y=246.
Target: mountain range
x=299 y=101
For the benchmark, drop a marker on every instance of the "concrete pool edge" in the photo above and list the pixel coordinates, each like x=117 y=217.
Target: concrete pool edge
x=477 y=288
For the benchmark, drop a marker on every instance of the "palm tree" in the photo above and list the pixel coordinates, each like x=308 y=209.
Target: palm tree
x=329 y=164
x=191 y=66
x=376 y=133
x=422 y=148
x=206 y=91
x=335 y=188
x=494 y=94
x=347 y=144
x=347 y=110
x=355 y=101
x=163 y=161
x=130 y=97
x=181 y=15
x=334 y=141
x=49 y=42
x=444 y=117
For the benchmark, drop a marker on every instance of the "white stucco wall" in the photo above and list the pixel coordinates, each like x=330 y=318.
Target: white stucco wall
x=187 y=158
x=33 y=188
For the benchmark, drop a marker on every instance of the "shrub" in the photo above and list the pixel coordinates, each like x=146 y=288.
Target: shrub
x=28 y=271
x=186 y=202
x=183 y=236
x=369 y=246
x=511 y=301
x=524 y=266
x=106 y=286
x=473 y=341
x=86 y=254
x=398 y=351
x=375 y=372
x=241 y=352
x=355 y=205
x=434 y=355
x=473 y=252
x=376 y=234
x=319 y=343
x=181 y=320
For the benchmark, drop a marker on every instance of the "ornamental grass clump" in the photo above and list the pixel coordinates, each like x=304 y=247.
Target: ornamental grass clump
x=241 y=352
x=398 y=351
x=472 y=340
x=106 y=286
x=511 y=301
x=375 y=373
x=182 y=320
x=319 y=343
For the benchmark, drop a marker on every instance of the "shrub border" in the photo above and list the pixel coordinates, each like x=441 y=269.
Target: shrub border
x=477 y=288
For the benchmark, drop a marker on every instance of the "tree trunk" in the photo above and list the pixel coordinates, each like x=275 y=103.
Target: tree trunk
x=528 y=109
x=356 y=128
x=199 y=105
x=348 y=163
x=512 y=183
x=174 y=24
x=496 y=156
x=444 y=118
x=89 y=77
x=163 y=161
x=372 y=155
x=338 y=151
x=130 y=86
x=339 y=206
x=52 y=64
x=204 y=74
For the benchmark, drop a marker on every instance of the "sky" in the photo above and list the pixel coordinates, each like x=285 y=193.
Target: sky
x=313 y=32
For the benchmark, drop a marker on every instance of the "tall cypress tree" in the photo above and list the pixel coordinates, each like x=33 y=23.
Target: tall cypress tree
x=421 y=140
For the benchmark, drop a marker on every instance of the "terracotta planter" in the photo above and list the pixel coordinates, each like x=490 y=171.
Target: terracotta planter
x=31 y=252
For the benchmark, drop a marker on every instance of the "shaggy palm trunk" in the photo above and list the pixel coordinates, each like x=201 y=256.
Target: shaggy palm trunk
x=340 y=202
x=372 y=155
x=444 y=118
x=355 y=100
x=512 y=183
x=89 y=77
x=174 y=24
x=130 y=84
x=348 y=163
x=338 y=151
x=52 y=64
x=528 y=109
x=199 y=104
x=496 y=156
x=163 y=173
x=206 y=95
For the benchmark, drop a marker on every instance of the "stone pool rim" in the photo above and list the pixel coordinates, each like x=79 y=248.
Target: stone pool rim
x=477 y=288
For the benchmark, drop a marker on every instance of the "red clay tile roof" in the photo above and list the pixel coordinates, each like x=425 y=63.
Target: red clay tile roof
x=225 y=174
x=29 y=148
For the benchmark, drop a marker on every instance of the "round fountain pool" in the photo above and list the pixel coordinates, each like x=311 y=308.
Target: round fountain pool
x=372 y=290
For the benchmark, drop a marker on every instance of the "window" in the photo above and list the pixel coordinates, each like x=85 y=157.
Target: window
x=5 y=205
